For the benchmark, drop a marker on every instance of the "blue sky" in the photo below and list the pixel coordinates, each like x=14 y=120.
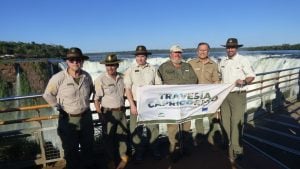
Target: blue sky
x=120 y=25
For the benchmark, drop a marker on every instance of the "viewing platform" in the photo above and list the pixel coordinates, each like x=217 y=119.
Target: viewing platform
x=271 y=135
x=271 y=141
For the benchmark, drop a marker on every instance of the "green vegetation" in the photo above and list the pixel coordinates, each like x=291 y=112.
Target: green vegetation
x=3 y=88
x=276 y=47
x=39 y=68
x=25 y=50
x=24 y=84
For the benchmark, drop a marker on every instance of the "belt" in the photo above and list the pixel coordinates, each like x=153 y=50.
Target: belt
x=73 y=115
x=113 y=109
x=76 y=115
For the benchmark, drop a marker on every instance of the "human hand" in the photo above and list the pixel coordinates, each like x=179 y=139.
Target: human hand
x=133 y=110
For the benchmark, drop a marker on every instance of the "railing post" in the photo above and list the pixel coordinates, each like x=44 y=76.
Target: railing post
x=43 y=152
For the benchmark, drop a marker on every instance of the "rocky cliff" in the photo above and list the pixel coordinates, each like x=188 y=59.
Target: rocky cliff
x=24 y=78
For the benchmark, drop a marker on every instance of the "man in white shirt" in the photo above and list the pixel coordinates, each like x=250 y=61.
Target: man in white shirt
x=236 y=69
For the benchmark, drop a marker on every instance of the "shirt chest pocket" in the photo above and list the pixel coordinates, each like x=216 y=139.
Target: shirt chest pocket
x=69 y=91
x=170 y=75
x=237 y=68
x=208 y=71
x=109 y=89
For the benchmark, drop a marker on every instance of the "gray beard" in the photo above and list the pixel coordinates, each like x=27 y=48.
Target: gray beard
x=176 y=61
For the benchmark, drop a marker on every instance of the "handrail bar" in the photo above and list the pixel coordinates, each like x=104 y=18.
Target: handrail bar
x=20 y=97
x=276 y=71
x=274 y=78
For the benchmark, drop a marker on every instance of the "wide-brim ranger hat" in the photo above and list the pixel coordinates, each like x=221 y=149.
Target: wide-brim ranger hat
x=232 y=42
x=141 y=50
x=75 y=53
x=111 y=59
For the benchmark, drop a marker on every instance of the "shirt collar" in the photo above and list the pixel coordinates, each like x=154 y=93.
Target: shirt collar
x=236 y=56
x=209 y=61
x=142 y=66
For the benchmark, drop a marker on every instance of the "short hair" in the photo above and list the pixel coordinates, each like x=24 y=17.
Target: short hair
x=203 y=43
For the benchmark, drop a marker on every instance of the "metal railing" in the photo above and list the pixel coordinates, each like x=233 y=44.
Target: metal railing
x=285 y=80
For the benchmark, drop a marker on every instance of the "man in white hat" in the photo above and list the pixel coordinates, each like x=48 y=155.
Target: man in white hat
x=177 y=72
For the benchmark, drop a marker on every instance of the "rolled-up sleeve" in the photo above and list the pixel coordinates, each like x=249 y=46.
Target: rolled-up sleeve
x=127 y=79
x=51 y=91
x=98 y=89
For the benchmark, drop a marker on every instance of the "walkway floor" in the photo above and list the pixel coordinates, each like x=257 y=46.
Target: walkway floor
x=203 y=157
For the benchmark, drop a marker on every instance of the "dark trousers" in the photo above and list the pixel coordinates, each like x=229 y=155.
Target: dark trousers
x=75 y=131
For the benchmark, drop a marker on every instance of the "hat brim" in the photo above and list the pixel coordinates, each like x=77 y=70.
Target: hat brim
x=74 y=57
x=142 y=53
x=110 y=63
x=236 y=46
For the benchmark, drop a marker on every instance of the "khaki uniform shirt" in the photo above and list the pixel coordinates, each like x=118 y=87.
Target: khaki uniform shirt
x=207 y=73
x=64 y=92
x=238 y=67
x=174 y=76
x=137 y=76
x=108 y=91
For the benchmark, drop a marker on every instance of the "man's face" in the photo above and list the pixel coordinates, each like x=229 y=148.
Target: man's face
x=231 y=51
x=141 y=59
x=176 y=57
x=203 y=52
x=111 y=69
x=75 y=63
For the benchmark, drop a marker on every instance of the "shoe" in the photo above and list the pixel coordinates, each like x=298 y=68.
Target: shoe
x=235 y=158
x=123 y=162
x=239 y=157
x=122 y=165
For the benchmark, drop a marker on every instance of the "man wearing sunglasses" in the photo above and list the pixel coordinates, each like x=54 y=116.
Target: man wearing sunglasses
x=69 y=91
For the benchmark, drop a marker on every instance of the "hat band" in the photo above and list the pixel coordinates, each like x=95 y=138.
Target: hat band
x=74 y=55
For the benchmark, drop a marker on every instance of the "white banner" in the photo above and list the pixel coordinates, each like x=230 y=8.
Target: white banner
x=179 y=103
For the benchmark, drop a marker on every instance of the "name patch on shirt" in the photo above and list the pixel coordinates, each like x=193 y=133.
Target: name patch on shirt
x=136 y=70
x=70 y=84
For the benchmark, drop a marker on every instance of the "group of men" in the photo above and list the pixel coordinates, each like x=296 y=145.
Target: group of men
x=70 y=90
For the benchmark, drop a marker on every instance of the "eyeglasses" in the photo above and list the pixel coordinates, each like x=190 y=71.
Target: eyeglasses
x=75 y=60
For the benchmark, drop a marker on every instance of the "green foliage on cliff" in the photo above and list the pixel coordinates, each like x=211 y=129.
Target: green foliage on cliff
x=3 y=88
x=21 y=49
x=24 y=85
x=276 y=47
x=40 y=69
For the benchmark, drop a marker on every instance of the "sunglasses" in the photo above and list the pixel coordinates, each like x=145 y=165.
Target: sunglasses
x=75 y=60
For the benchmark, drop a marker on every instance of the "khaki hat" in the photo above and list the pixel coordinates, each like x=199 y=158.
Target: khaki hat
x=111 y=59
x=176 y=48
x=141 y=50
x=74 y=53
x=232 y=42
